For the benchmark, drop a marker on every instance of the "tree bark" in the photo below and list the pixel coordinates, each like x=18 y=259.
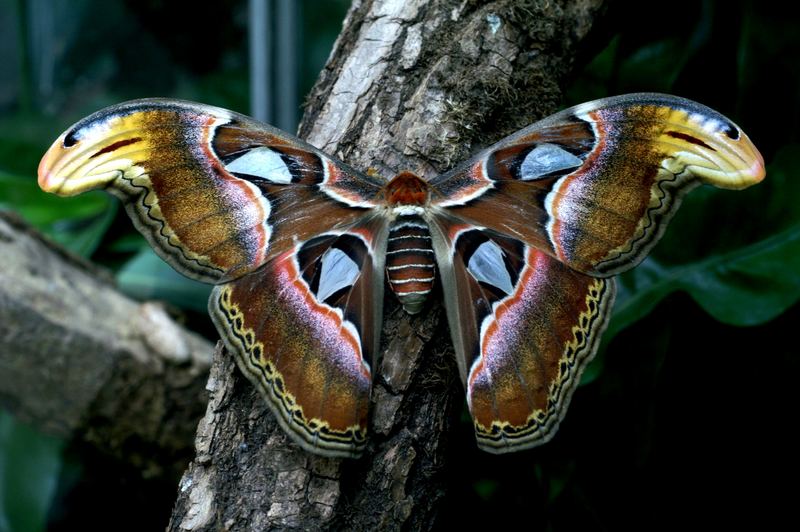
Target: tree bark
x=80 y=359
x=410 y=85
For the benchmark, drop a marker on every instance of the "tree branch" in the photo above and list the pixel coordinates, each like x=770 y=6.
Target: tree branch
x=410 y=85
x=78 y=358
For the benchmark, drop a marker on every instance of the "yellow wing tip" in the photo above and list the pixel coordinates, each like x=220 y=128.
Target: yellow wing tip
x=757 y=170
x=62 y=172
x=49 y=179
x=70 y=170
x=723 y=162
x=749 y=170
x=754 y=175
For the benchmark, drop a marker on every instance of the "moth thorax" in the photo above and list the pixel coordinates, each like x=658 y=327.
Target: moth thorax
x=410 y=265
x=407 y=189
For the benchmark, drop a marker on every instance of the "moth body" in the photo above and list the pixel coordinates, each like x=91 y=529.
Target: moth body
x=410 y=261
x=410 y=265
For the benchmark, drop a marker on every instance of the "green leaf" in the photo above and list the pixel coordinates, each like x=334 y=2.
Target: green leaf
x=748 y=286
x=146 y=276
x=129 y=243
x=84 y=236
x=655 y=65
x=23 y=195
x=754 y=286
x=18 y=151
x=485 y=488
x=30 y=463
x=78 y=223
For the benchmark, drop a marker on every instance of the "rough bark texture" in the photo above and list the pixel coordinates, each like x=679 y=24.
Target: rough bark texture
x=416 y=85
x=78 y=358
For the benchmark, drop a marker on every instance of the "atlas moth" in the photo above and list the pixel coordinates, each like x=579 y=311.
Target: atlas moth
x=525 y=239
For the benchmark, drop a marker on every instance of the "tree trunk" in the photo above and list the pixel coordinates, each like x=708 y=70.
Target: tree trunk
x=411 y=85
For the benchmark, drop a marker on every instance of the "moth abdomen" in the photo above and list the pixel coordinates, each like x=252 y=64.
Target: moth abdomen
x=410 y=264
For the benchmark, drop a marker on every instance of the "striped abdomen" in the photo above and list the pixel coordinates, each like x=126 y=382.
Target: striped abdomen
x=410 y=265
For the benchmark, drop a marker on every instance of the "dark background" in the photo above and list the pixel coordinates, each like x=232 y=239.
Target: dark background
x=685 y=419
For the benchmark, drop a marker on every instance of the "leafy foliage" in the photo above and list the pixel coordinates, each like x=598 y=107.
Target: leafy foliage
x=29 y=466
